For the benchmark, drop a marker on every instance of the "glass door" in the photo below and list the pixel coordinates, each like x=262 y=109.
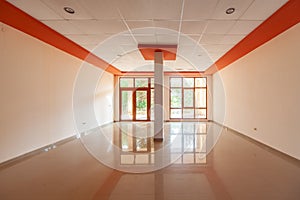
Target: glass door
x=141 y=105
x=126 y=105
x=135 y=105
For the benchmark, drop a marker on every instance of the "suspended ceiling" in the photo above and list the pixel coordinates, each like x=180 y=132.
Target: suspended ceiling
x=112 y=29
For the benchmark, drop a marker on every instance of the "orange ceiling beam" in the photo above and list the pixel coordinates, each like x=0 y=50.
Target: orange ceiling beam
x=20 y=20
x=284 y=18
x=147 y=50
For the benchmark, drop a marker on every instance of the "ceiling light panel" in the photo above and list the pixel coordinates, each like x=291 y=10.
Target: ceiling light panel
x=198 y=9
x=239 y=6
x=244 y=27
x=58 y=7
x=262 y=9
x=36 y=9
x=193 y=27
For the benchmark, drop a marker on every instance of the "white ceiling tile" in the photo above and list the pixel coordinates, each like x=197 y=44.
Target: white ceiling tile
x=146 y=39
x=139 y=24
x=185 y=40
x=211 y=38
x=244 y=27
x=99 y=26
x=194 y=37
x=167 y=39
x=193 y=27
x=63 y=27
x=129 y=47
x=262 y=9
x=104 y=9
x=223 y=5
x=36 y=9
x=170 y=24
x=219 y=26
x=218 y=48
x=109 y=55
x=144 y=31
x=198 y=9
x=215 y=57
x=87 y=39
x=167 y=9
x=135 y=9
x=180 y=62
x=58 y=7
x=231 y=39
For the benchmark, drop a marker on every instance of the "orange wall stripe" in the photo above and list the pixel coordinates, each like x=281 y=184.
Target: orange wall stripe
x=20 y=20
x=284 y=18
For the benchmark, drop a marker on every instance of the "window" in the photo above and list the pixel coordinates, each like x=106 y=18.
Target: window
x=188 y=98
x=136 y=98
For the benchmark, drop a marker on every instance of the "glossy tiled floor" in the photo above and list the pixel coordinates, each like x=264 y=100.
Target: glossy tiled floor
x=190 y=167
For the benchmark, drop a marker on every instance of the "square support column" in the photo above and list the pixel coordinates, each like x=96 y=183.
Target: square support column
x=158 y=96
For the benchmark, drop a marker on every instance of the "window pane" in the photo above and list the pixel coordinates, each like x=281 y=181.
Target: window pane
x=200 y=113
x=141 y=82
x=126 y=105
x=141 y=105
x=152 y=105
x=188 y=113
x=175 y=113
x=200 y=82
x=175 y=82
x=126 y=82
x=176 y=95
x=200 y=98
x=188 y=82
x=188 y=98
x=152 y=82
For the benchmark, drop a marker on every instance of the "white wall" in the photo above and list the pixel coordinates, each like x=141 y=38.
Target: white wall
x=36 y=84
x=262 y=90
x=104 y=99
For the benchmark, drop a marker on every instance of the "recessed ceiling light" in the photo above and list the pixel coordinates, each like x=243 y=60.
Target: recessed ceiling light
x=69 y=10
x=230 y=11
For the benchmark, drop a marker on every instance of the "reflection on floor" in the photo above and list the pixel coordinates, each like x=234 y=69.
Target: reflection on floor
x=199 y=161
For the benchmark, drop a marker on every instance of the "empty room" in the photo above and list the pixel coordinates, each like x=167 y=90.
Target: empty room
x=149 y=99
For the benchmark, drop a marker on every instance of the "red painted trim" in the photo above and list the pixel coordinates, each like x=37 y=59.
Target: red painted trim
x=20 y=20
x=284 y=18
x=147 y=50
